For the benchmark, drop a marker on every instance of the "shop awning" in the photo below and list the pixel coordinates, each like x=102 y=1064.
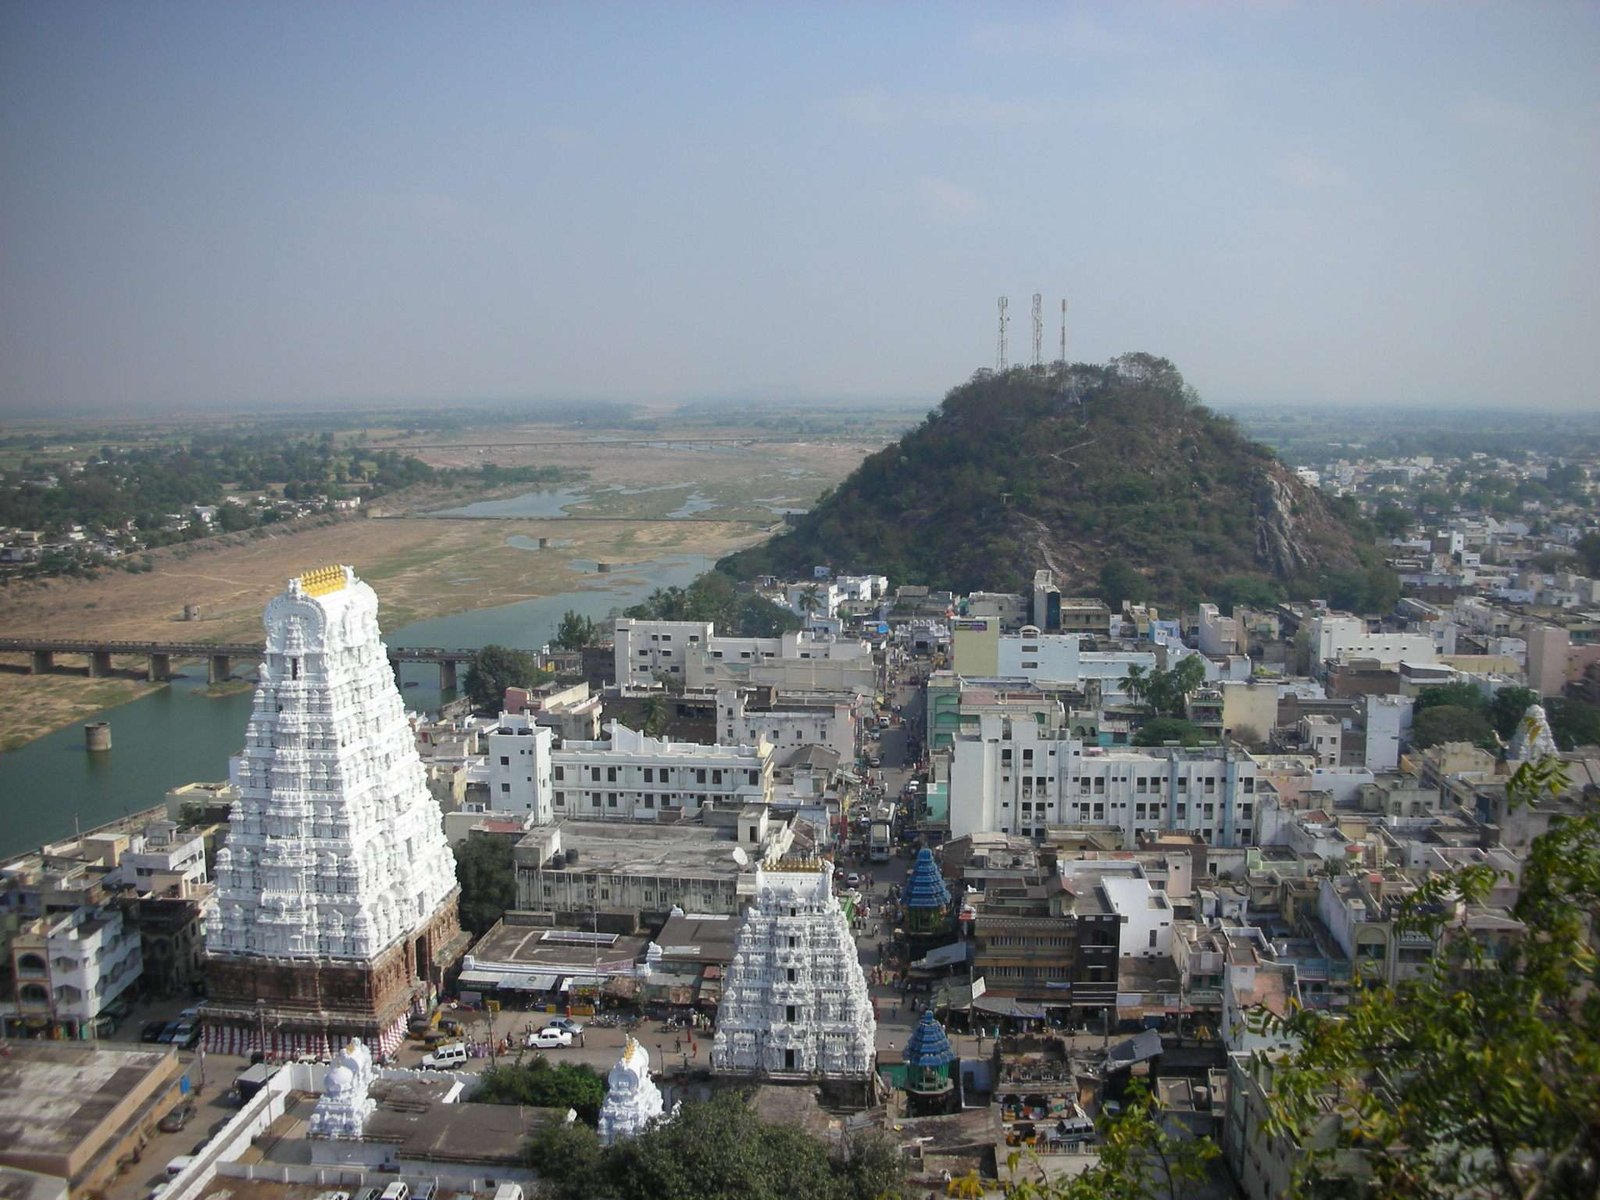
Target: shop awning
x=478 y=980
x=528 y=983
x=1005 y=1006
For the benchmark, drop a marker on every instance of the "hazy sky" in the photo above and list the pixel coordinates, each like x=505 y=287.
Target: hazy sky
x=236 y=203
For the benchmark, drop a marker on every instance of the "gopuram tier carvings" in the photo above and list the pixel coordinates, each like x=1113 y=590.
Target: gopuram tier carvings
x=335 y=857
x=795 y=1002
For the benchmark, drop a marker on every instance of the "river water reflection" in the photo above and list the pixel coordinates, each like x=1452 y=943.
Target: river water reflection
x=180 y=733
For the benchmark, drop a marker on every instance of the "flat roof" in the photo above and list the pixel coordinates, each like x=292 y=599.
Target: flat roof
x=53 y=1095
x=685 y=850
x=527 y=945
x=698 y=937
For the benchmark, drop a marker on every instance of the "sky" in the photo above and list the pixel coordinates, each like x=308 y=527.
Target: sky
x=241 y=205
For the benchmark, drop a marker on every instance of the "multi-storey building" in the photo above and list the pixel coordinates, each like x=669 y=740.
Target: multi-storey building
x=67 y=970
x=692 y=652
x=747 y=716
x=1015 y=777
x=631 y=777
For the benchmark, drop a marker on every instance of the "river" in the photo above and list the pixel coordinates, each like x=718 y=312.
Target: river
x=180 y=733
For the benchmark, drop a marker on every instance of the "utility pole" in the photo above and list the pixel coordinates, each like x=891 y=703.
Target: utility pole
x=1063 y=333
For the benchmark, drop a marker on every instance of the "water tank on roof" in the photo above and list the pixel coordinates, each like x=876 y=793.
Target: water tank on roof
x=572 y=857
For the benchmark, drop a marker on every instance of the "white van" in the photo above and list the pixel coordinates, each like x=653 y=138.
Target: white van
x=179 y=1165
x=508 y=1191
x=396 y=1191
x=451 y=1054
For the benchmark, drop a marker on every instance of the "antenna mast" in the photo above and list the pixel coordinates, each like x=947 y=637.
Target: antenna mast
x=1038 y=331
x=1063 y=333
x=1000 y=345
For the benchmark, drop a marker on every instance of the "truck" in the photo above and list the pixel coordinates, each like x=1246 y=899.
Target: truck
x=880 y=841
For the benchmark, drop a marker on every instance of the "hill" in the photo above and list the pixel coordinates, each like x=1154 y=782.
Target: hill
x=1115 y=476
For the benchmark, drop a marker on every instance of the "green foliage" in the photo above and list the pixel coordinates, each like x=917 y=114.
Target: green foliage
x=1489 y=1060
x=488 y=881
x=1249 y=591
x=1588 y=551
x=1457 y=695
x=655 y=714
x=540 y=1083
x=1450 y=723
x=1119 y=582
x=717 y=1150
x=1162 y=730
x=1573 y=723
x=1139 y=1160
x=1164 y=691
x=1506 y=709
x=713 y=597
x=576 y=632
x=1373 y=589
x=493 y=669
x=1089 y=464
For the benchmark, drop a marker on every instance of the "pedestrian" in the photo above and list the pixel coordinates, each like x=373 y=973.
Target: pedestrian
x=894 y=1013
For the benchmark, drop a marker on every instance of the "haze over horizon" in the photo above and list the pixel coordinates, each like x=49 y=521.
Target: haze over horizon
x=235 y=206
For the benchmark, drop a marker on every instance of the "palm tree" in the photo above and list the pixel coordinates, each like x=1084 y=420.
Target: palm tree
x=810 y=599
x=655 y=714
x=1137 y=684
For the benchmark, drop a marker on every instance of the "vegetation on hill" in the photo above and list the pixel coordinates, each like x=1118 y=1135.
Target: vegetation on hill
x=714 y=598
x=1110 y=473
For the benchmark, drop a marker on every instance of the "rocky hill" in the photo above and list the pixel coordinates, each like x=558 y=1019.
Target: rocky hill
x=1115 y=476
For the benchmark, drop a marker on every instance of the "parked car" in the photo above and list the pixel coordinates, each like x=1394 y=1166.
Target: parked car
x=853 y=879
x=548 y=1039
x=170 y=1032
x=176 y=1119
x=567 y=1023
x=187 y=1036
x=454 y=1054
x=152 y=1031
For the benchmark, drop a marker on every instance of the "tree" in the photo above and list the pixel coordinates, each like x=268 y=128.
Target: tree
x=810 y=599
x=1481 y=1076
x=1119 y=582
x=496 y=668
x=1588 y=550
x=655 y=714
x=488 y=880
x=1572 y=722
x=1506 y=709
x=1457 y=695
x=1168 y=729
x=543 y=1084
x=575 y=632
x=1449 y=723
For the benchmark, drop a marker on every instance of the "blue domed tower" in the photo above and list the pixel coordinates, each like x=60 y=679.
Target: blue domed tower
x=927 y=899
x=928 y=1056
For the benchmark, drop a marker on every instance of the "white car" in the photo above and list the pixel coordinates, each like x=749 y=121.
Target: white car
x=548 y=1039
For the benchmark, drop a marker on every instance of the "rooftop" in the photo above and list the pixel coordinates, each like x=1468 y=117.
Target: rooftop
x=685 y=850
x=53 y=1095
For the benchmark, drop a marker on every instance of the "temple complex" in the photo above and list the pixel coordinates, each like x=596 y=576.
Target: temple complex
x=335 y=911
x=343 y=1110
x=1532 y=740
x=632 y=1098
x=795 y=1002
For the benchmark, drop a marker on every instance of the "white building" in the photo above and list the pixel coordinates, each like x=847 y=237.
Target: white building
x=1144 y=914
x=1060 y=658
x=787 y=722
x=795 y=1002
x=163 y=858
x=692 y=651
x=1013 y=777
x=1388 y=721
x=1339 y=637
x=69 y=968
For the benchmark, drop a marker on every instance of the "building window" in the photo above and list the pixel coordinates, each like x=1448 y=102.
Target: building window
x=611 y=774
x=505 y=760
x=560 y=772
x=505 y=787
x=789 y=1013
x=649 y=775
x=611 y=799
x=561 y=799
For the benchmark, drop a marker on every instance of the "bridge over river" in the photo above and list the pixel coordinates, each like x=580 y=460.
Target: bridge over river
x=219 y=656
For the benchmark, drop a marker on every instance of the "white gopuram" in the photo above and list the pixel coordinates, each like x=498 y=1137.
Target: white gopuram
x=343 y=1110
x=632 y=1098
x=795 y=1002
x=1532 y=741
x=336 y=890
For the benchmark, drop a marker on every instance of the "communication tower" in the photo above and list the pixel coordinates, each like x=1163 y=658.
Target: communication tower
x=1038 y=331
x=1000 y=345
x=1063 y=333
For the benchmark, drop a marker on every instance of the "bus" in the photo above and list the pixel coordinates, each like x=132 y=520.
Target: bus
x=879 y=841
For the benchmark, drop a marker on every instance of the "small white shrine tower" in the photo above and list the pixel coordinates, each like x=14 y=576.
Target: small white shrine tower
x=632 y=1098
x=795 y=1002
x=335 y=910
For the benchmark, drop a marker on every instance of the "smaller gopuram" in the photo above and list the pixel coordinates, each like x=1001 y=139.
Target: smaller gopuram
x=632 y=1098
x=795 y=1004
x=929 y=1087
x=345 y=1106
x=927 y=897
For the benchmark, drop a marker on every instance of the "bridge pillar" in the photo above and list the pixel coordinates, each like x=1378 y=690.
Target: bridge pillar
x=44 y=661
x=159 y=668
x=447 y=675
x=219 y=669
x=99 y=663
